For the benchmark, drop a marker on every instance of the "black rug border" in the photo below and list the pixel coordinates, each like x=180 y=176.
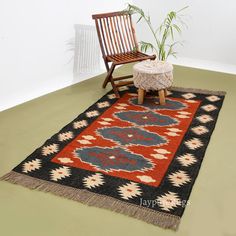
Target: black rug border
x=165 y=185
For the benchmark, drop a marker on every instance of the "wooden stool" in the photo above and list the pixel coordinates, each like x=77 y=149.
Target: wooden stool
x=153 y=75
x=162 y=93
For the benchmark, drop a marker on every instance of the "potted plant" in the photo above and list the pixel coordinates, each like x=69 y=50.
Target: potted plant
x=164 y=35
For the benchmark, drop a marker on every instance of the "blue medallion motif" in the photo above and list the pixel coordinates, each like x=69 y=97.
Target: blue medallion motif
x=109 y=159
x=132 y=135
x=153 y=103
x=146 y=118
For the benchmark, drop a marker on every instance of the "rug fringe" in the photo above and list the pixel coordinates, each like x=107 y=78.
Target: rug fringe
x=195 y=90
x=161 y=219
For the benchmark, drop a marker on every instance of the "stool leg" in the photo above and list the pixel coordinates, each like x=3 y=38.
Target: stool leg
x=166 y=92
x=162 y=97
x=140 y=95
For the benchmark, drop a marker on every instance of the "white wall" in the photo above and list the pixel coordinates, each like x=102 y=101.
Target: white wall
x=210 y=40
x=34 y=55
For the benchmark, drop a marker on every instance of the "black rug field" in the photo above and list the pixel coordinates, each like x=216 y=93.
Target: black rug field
x=138 y=160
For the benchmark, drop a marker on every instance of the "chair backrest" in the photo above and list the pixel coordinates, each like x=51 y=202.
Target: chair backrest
x=116 y=33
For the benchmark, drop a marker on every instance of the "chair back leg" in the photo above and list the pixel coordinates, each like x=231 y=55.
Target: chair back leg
x=118 y=43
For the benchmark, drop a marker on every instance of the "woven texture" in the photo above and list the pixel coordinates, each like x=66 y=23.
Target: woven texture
x=138 y=160
x=153 y=75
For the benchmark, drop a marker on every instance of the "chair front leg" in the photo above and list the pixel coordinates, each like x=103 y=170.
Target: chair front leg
x=109 y=78
x=109 y=75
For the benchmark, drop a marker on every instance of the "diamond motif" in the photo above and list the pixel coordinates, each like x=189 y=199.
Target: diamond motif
x=168 y=201
x=191 y=101
x=93 y=181
x=111 y=96
x=103 y=104
x=213 y=98
x=187 y=159
x=184 y=112
x=159 y=156
x=80 y=124
x=209 y=107
x=89 y=137
x=174 y=130
x=104 y=123
x=182 y=116
x=60 y=173
x=120 y=107
x=146 y=178
x=84 y=141
x=123 y=104
x=172 y=134
x=179 y=178
x=92 y=113
x=131 y=135
x=31 y=165
x=188 y=95
x=162 y=151
x=193 y=143
x=65 y=160
x=146 y=118
x=113 y=159
x=199 y=130
x=50 y=149
x=129 y=190
x=204 y=118
x=65 y=136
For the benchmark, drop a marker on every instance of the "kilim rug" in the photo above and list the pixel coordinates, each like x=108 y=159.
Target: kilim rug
x=139 y=160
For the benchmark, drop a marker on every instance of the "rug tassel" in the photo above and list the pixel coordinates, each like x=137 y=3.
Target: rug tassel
x=161 y=219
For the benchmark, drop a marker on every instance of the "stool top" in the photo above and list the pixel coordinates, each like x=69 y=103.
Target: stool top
x=153 y=67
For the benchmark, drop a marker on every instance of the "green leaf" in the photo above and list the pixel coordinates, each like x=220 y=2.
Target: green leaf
x=164 y=34
x=144 y=46
x=172 y=34
x=139 y=19
x=182 y=9
x=177 y=28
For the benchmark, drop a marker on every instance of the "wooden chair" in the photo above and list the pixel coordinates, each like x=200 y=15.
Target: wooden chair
x=118 y=44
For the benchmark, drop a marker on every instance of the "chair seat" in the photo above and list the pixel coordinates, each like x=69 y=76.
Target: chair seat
x=129 y=57
x=118 y=44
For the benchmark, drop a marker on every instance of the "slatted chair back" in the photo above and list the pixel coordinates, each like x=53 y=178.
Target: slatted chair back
x=118 y=44
x=116 y=33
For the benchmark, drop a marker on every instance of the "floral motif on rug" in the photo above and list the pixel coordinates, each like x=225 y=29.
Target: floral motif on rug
x=140 y=160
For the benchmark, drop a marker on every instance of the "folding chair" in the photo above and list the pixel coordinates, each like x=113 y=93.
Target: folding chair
x=118 y=44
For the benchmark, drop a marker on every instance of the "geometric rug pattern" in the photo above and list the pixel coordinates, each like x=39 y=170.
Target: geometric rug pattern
x=139 y=160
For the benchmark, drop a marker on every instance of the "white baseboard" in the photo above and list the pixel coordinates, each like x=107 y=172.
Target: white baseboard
x=204 y=64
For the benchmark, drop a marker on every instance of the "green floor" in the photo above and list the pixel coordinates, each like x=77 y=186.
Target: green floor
x=25 y=127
